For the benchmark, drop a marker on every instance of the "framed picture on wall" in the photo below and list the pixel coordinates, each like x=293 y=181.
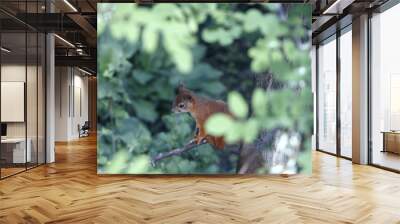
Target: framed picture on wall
x=204 y=88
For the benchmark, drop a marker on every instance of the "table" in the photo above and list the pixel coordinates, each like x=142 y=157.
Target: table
x=16 y=147
x=391 y=141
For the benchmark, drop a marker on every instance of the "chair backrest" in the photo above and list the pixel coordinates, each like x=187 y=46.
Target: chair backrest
x=86 y=125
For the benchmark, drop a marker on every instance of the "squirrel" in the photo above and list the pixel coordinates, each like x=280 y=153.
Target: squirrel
x=200 y=108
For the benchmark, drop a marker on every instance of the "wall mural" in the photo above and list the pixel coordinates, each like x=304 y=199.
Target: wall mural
x=204 y=88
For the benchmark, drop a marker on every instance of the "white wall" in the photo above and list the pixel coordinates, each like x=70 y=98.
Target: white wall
x=71 y=94
x=62 y=81
x=13 y=72
x=80 y=100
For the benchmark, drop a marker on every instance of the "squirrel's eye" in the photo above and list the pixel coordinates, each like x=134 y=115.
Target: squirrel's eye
x=181 y=105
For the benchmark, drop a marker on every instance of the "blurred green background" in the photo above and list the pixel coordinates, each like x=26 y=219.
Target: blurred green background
x=256 y=57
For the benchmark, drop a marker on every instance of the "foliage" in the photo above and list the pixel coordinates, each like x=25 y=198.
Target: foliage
x=221 y=51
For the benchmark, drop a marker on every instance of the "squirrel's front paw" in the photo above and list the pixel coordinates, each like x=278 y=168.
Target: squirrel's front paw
x=193 y=141
x=197 y=139
x=201 y=140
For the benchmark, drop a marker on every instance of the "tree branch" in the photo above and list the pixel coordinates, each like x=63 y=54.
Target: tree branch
x=191 y=145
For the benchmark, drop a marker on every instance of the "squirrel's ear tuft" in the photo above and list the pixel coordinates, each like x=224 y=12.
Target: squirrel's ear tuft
x=180 y=87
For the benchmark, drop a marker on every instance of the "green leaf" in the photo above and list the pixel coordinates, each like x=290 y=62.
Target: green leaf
x=118 y=163
x=145 y=110
x=252 y=20
x=259 y=102
x=183 y=60
x=132 y=132
x=218 y=124
x=139 y=165
x=150 y=38
x=234 y=133
x=237 y=105
x=260 y=57
x=214 y=88
x=178 y=44
x=141 y=76
x=132 y=34
x=250 y=130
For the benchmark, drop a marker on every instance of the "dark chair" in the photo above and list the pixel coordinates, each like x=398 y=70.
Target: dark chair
x=84 y=130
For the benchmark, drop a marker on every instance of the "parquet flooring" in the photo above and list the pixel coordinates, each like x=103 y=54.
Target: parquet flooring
x=70 y=191
x=10 y=171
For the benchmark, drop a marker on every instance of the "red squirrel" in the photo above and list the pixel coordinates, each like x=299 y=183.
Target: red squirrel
x=200 y=108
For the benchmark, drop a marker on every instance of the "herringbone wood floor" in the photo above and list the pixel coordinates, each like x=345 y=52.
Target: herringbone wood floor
x=69 y=191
